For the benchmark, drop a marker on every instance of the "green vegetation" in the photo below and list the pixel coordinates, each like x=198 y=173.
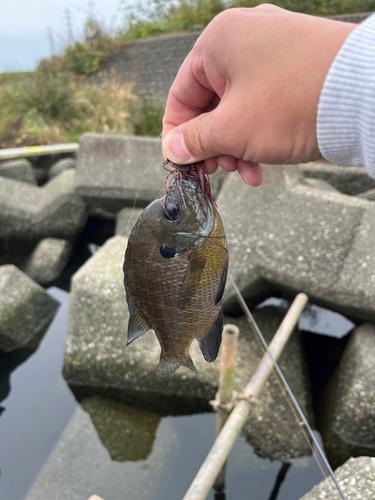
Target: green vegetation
x=167 y=16
x=147 y=117
x=52 y=107
x=66 y=96
x=59 y=102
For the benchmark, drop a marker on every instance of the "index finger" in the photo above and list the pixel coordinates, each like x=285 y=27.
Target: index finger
x=190 y=94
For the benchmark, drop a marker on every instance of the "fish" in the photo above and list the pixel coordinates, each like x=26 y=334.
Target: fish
x=175 y=271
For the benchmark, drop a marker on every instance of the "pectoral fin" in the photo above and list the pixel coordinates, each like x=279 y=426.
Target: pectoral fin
x=210 y=341
x=223 y=281
x=137 y=324
x=190 y=281
x=168 y=366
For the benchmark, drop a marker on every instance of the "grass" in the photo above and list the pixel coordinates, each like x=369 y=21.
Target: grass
x=58 y=102
x=51 y=108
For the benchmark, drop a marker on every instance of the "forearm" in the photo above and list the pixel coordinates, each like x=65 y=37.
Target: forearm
x=346 y=110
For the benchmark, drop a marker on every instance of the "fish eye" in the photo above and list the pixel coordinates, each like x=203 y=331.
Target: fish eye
x=172 y=211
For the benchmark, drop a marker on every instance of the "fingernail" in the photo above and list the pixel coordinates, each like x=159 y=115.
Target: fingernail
x=175 y=148
x=244 y=179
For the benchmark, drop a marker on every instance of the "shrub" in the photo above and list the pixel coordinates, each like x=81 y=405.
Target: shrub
x=147 y=117
x=158 y=16
x=48 y=108
x=163 y=16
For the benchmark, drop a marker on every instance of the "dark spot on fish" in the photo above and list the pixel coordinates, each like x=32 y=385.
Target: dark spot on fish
x=167 y=253
x=172 y=212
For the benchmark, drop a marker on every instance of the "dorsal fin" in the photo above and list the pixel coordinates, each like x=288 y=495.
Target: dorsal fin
x=168 y=366
x=210 y=341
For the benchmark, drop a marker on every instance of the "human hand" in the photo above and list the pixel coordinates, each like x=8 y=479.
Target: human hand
x=249 y=90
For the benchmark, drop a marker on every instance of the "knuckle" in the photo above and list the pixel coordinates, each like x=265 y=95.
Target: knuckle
x=194 y=141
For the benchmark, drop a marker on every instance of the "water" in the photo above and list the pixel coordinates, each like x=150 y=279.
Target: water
x=51 y=448
x=47 y=439
x=37 y=409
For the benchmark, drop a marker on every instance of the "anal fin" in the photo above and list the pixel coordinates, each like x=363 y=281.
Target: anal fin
x=137 y=325
x=168 y=366
x=210 y=341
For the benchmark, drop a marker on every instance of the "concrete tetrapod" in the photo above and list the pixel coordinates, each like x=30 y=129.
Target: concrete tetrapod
x=115 y=171
x=25 y=308
x=19 y=170
x=349 y=401
x=30 y=213
x=347 y=180
x=288 y=236
x=48 y=260
x=97 y=361
x=356 y=478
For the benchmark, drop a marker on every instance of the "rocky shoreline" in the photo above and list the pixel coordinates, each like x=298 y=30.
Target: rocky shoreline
x=308 y=228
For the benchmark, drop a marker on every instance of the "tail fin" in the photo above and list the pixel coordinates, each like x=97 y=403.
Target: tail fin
x=168 y=366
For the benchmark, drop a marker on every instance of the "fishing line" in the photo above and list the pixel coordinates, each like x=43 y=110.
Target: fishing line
x=135 y=201
x=176 y=175
x=303 y=423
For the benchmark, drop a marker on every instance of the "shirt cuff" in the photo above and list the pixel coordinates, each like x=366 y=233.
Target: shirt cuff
x=346 y=110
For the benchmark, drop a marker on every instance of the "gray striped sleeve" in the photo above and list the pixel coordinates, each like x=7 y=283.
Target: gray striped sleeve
x=346 y=111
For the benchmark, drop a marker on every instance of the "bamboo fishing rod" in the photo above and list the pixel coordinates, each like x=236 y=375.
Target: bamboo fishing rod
x=304 y=423
x=224 y=442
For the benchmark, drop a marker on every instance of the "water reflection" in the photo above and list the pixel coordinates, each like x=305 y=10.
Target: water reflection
x=37 y=405
x=285 y=466
x=316 y=319
x=279 y=480
x=51 y=447
x=11 y=360
x=127 y=433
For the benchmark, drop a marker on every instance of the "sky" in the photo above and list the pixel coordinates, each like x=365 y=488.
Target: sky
x=24 y=26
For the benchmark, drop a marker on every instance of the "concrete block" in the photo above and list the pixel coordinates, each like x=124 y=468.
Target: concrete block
x=97 y=361
x=25 y=308
x=349 y=402
x=48 y=260
x=61 y=166
x=320 y=184
x=116 y=171
x=19 y=170
x=288 y=236
x=368 y=195
x=126 y=219
x=113 y=171
x=29 y=213
x=347 y=180
x=356 y=478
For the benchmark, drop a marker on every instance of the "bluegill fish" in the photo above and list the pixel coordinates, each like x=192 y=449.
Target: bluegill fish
x=175 y=271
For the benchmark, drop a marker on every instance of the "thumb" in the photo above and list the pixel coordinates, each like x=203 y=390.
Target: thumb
x=192 y=141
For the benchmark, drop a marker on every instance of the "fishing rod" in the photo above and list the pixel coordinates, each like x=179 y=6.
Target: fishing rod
x=304 y=421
